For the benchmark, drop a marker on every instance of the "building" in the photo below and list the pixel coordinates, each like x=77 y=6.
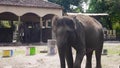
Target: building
x=27 y=21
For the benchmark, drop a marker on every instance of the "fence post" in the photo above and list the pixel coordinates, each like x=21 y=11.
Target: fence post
x=51 y=47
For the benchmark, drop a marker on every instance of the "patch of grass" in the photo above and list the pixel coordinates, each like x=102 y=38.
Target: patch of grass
x=19 y=52
x=112 y=50
x=0 y=53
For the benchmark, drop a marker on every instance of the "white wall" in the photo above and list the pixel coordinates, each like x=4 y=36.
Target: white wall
x=19 y=11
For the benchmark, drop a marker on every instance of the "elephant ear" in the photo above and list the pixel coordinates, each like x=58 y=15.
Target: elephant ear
x=54 y=23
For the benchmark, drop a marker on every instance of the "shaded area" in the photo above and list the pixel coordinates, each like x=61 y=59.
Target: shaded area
x=47 y=27
x=28 y=28
x=29 y=32
x=7 y=27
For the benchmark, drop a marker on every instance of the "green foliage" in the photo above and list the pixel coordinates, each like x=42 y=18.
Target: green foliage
x=66 y=4
x=5 y=24
x=77 y=10
x=112 y=7
x=97 y=6
x=103 y=21
x=116 y=26
x=114 y=11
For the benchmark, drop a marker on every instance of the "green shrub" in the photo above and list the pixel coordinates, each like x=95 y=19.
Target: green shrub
x=116 y=26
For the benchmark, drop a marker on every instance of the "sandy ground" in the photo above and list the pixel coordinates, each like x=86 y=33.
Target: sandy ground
x=43 y=60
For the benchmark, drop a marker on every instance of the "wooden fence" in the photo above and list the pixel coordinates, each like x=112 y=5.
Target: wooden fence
x=110 y=35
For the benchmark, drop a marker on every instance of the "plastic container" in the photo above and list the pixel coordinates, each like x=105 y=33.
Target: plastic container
x=7 y=53
x=30 y=51
x=51 y=47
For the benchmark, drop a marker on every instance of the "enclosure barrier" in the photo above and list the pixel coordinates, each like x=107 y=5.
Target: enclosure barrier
x=110 y=34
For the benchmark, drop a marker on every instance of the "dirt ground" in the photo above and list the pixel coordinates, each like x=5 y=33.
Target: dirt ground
x=43 y=60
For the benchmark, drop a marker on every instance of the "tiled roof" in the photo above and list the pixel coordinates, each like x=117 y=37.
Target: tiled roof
x=30 y=3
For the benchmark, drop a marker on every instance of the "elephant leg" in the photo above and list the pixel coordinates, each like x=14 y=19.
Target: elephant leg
x=79 y=57
x=62 y=56
x=98 y=58
x=89 y=58
x=69 y=57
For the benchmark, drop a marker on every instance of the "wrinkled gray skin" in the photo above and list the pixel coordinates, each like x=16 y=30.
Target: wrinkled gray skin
x=84 y=34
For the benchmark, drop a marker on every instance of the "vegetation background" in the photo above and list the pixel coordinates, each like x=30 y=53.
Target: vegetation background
x=112 y=7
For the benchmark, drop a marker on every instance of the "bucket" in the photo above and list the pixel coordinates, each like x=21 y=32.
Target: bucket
x=7 y=53
x=31 y=51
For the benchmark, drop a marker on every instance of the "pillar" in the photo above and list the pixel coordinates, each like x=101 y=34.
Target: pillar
x=17 y=30
x=41 y=24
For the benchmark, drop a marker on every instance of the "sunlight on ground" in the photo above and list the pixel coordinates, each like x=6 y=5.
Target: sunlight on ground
x=21 y=60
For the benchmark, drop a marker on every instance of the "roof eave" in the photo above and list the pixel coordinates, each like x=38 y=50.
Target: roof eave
x=32 y=6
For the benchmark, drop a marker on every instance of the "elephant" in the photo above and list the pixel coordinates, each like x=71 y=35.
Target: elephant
x=81 y=32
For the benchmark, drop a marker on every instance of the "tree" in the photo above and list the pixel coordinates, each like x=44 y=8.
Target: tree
x=67 y=3
x=100 y=6
x=97 y=6
x=112 y=7
x=114 y=12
